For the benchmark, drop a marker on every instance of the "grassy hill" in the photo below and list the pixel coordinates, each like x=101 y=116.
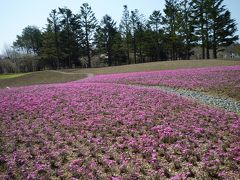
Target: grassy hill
x=41 y=77
x=154 y=66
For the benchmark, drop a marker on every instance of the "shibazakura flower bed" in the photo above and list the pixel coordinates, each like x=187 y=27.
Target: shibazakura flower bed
x=101 y=130
x=197 y=78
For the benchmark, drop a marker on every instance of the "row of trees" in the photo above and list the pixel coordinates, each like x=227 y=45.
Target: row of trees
x=172 y=35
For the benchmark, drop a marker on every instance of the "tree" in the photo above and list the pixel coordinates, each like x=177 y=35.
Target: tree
x=66 y=15
x=118 y=49
x=51 y=40
x=140 y=40
x=54 y=27
x=49 y=49
x=125 y=28
x=105 y=37
x=154 y=22
x=68 y=35
x=222 y=26
x=171 y=22
x=187 y=28
x=30 y=40
x=214 y=25
x=140 y=37
x=199 y=22
x=88 y=23
x=136 y=24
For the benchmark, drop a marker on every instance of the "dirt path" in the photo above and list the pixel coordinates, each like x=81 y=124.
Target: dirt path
x=67 y=73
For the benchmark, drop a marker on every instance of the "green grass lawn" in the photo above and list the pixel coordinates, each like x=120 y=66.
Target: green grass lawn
x=48 y=77
x=8 y=76
x=40 y=77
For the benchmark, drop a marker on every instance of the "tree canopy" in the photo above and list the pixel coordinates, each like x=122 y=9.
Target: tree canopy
x=70 y=39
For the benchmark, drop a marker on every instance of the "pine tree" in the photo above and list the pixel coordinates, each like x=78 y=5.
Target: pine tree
x=125 y=29
x=118 y=49
x=140 y=40
x=105 y=37
x=51 y=40
x=68 y=36
x=30 y=41
x=171 y=22
x=66 y=15
x=135 y=20
x=187 y=28
x=149 y=45
x=155 y=22
x=88 y=23
x=222 y=27
x=49 y=49
x=199 y=22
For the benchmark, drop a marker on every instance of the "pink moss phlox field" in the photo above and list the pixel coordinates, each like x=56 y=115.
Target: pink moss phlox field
x=112 y=131
x=197 y=78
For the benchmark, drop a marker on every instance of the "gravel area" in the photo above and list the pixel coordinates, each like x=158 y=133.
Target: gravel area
x=216 y=101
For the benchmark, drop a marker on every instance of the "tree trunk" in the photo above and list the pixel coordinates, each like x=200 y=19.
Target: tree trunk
x=134 y=49
x=69 y=49
x=214 y=43
x=88 y=50
x=140 y=54
x=173 y=52
x=214 y=52
x=57 y=50
x=207 y=38
x=202 y=30
x=203 y=51
x=89 y=56
x=109 y=53
x=187 y=30
x=128 y=52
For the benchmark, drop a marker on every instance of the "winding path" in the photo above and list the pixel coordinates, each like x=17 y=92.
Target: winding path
x=62 y=72
x=221 y=102
x=225 y=103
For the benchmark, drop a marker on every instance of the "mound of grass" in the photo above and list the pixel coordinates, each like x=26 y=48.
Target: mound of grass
x=8 y=76
x=155 y=66
x=42 y=77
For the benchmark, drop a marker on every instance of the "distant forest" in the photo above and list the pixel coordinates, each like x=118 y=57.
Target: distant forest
x=75 y=40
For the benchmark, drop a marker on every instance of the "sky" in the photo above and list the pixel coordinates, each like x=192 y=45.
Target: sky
x=17 y=14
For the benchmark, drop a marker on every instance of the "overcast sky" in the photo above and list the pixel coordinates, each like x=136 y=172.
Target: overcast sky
x=17 y=14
